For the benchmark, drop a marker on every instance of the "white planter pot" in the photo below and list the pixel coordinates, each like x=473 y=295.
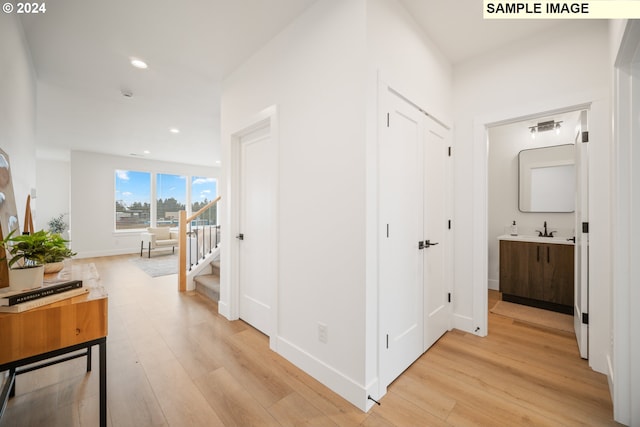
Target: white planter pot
x=26 y=278
x=53 y=267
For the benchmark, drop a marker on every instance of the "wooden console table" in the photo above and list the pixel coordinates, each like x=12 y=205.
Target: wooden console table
x=50 y=334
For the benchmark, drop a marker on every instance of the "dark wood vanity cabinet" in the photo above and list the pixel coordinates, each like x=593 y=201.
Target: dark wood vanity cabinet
x=537 y=274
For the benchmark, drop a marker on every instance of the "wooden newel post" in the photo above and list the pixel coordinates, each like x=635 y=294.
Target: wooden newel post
x=182 y=252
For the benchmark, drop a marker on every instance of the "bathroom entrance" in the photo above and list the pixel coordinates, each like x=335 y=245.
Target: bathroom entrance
x=537 y=227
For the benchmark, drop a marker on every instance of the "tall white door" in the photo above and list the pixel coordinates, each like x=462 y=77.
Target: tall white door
x=400 y=267
x=581 y=288
x=413 y=177
x=255 y=237
x=436 y=292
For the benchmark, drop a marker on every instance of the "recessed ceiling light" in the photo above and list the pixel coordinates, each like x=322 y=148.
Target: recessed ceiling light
x=147 y=152
x=139 y=63
x=174 y=130
x=217 y=162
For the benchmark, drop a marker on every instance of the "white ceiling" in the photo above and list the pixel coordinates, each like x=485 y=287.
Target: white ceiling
x=81 y=52
x=458 y=28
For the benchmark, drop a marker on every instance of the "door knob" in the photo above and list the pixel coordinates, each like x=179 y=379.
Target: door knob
x=427 y=243
x=240 y=236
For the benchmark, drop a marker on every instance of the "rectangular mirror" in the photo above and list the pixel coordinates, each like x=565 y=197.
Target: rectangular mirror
x=547 y=179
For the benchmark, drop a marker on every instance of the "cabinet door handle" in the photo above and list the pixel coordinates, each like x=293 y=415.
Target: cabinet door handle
x=538 y=253
x=548 y=255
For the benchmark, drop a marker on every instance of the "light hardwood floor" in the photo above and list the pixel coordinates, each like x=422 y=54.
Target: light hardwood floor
x=173 y=361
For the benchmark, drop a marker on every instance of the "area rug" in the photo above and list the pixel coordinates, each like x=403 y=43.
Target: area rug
x=536 y=316
x=157 y=265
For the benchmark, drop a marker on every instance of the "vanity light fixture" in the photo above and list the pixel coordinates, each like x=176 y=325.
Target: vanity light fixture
x=545 y=126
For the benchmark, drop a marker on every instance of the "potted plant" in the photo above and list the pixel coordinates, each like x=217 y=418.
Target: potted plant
x=30 y=253
x=57 y=251
x=57 y=224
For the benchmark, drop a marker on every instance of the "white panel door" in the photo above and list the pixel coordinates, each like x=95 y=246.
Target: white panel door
x=255 y=237
x=400 y=228
x=581 y=288
x=436 y=173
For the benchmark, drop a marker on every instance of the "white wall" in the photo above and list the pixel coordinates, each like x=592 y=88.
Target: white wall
x=17 y=109
x=53 y=181
x=565 y=66
x=92 y=200
x=407 y=59
x=313 y=72
x=505 y=143
x=321 y=73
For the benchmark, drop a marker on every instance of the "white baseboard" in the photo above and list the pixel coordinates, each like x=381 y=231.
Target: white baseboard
x=112 y=252
x=223 y=309
x=347 y=388
x=494 y=284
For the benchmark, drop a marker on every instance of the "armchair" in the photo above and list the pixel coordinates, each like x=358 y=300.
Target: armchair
x=159 y=237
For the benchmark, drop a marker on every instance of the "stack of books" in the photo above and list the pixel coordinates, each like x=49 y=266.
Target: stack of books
x=19 y=301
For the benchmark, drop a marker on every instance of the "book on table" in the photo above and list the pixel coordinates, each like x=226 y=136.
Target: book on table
x=49 y=288
x=30 y=305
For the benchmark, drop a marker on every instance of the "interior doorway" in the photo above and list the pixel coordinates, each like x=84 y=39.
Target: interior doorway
x=253 y=227
x=535 y=168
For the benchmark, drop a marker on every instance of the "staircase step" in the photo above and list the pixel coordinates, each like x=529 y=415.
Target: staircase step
x=208 y=285
x=215 y=267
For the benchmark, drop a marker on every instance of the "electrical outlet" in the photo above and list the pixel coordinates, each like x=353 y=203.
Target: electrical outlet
x=322 y=333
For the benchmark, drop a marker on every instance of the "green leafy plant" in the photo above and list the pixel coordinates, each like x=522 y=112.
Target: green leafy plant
x=57 y=224
x=39 y=248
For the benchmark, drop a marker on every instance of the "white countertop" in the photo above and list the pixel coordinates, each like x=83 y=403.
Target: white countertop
x=536 y=239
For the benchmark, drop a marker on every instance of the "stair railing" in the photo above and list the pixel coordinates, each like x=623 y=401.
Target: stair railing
x=199 y=236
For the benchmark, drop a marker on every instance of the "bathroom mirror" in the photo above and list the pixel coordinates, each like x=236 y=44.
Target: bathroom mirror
x=547 y=179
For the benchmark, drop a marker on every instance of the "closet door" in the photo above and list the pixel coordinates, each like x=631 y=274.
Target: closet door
x=401 y=308
x=434 y=257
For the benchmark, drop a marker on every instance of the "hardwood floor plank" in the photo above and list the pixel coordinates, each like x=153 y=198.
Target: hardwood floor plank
x=294 y=410
x=181 y=401
x=232 y=403
x=375 y=420
x=417 y=392
x=401 y=412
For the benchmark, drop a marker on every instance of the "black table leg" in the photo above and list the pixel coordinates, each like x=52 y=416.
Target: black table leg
x=103 y=383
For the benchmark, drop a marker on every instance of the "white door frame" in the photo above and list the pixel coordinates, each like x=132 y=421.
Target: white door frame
x=481 y=197
x=267 y=117
x=626 y=199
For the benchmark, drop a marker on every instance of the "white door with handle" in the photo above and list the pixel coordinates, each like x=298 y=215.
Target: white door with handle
x=437 y=307
x=255 y=234
x=400 y=213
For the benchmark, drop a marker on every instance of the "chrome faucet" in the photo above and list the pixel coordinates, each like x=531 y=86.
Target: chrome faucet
x=546 y=234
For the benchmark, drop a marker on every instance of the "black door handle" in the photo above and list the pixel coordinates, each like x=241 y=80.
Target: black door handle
x=427 y=243
x=240 y=236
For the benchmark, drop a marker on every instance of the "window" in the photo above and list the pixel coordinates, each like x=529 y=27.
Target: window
x=171 y=196
x=133 y=197
x=135 y=201
x=203 y=191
